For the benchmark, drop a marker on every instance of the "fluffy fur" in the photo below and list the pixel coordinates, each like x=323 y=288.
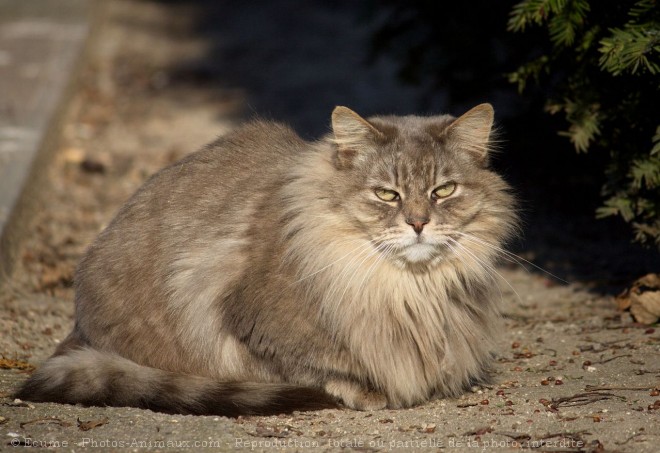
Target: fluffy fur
x=264 y=274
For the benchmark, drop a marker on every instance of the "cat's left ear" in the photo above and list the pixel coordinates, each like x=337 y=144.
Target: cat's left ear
x=354 y=136
x=471 y=131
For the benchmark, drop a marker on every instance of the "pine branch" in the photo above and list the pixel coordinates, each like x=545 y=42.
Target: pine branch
x=584 y=122
x=633 y=49
x=564 y=26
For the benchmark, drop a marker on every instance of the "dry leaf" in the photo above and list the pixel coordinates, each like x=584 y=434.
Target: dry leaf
x=9 y=364
x=643 y=299
x=428 y=428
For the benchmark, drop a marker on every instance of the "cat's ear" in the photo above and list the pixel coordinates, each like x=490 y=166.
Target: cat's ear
x=353 y=135
x=472 y=131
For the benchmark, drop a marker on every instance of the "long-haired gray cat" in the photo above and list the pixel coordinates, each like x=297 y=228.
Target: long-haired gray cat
x=264 y=274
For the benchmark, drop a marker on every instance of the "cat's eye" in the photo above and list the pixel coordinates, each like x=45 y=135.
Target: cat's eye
x=444 y=190
x=387 y=194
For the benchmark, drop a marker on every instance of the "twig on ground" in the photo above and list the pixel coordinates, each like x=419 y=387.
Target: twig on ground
x=582 y=399
x=45 y=421
x=593 y=388
x=629 y=439
x=613 y=358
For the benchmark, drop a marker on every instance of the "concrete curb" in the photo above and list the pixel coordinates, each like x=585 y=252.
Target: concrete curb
x=41 y=50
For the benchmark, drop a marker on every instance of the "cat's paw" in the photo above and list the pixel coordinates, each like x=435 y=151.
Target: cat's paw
x=356 y=397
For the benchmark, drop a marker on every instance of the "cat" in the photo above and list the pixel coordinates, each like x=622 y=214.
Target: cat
x=265 y=274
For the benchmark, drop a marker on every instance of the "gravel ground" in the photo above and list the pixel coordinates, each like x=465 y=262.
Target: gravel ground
x=573 y=373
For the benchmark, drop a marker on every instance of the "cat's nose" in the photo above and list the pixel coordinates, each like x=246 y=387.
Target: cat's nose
x=418 y=223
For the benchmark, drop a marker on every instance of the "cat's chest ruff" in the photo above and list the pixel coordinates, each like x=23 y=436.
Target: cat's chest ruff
x=415 y=335
x=396 y=327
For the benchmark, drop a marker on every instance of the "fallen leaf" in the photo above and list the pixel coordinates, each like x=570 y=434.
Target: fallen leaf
x=10 y=364
x=428 y=428
x=642 y=299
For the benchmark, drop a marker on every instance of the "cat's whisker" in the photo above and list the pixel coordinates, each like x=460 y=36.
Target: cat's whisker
x=384 y=254
x=474 y=265
x=363 y=245
x=373 y=252
x=500 y=253
x=350 y=266
x=487 y=266
x=513 y=256
x=361 y=248
x=463 y=260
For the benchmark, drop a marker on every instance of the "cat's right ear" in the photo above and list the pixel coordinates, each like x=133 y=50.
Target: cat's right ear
x=472 y=131
x=353 y=135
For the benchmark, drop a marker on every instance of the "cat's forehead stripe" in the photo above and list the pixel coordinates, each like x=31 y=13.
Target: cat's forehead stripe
x=417 y=170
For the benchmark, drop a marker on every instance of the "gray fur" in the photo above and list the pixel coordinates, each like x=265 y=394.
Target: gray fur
x=263 y=274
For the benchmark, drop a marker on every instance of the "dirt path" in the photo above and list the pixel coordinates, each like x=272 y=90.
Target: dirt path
x=573 y=373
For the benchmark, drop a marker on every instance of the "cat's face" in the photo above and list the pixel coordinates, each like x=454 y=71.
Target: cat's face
x=420 y=188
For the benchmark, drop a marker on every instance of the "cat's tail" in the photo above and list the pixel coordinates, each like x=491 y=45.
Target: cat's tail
x=93 y=378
